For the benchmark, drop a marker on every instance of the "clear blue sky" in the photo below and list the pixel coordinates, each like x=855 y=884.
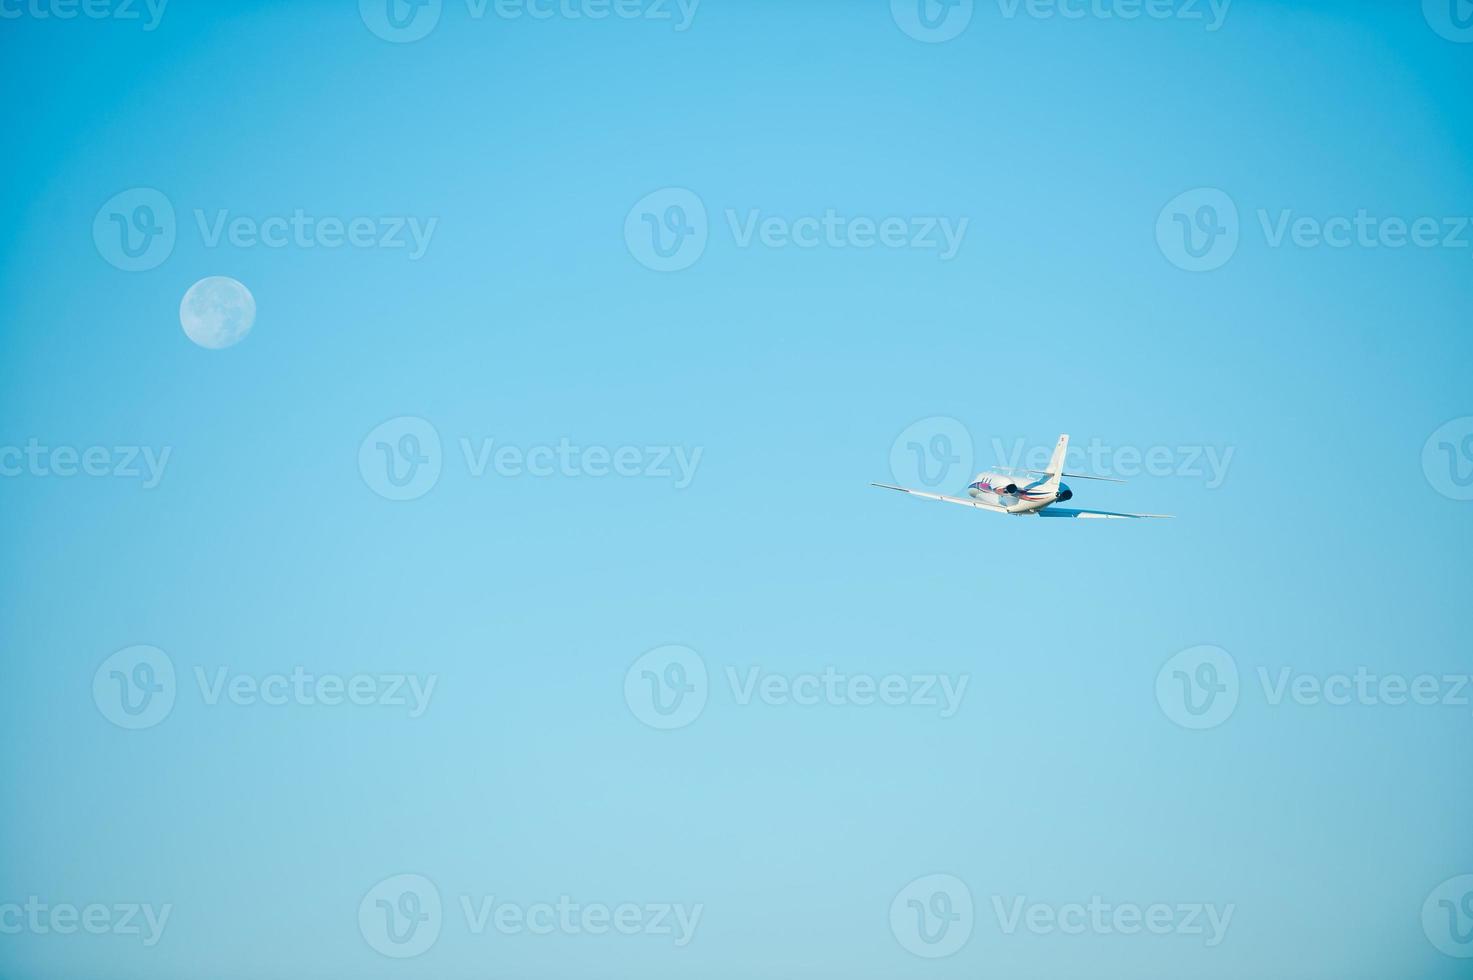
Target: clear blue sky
x=529 y=319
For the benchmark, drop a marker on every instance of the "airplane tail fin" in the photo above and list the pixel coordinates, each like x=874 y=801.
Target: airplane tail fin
x=1056 y=465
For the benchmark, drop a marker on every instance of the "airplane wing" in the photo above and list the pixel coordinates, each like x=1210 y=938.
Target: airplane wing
x=941 y=496
x=1052 y=511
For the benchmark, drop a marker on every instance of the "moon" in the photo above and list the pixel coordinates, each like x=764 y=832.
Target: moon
x=217 y=312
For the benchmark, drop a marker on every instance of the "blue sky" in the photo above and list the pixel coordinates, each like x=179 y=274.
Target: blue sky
x=241 y=528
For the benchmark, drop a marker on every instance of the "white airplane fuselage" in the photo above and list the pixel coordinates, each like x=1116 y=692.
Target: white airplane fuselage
x=1017 y=495
x=1010 y=493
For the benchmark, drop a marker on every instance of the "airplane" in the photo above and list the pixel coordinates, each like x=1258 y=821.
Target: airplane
x=1003 y=493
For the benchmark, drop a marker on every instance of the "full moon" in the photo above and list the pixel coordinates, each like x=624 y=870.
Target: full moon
x=217 y=312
